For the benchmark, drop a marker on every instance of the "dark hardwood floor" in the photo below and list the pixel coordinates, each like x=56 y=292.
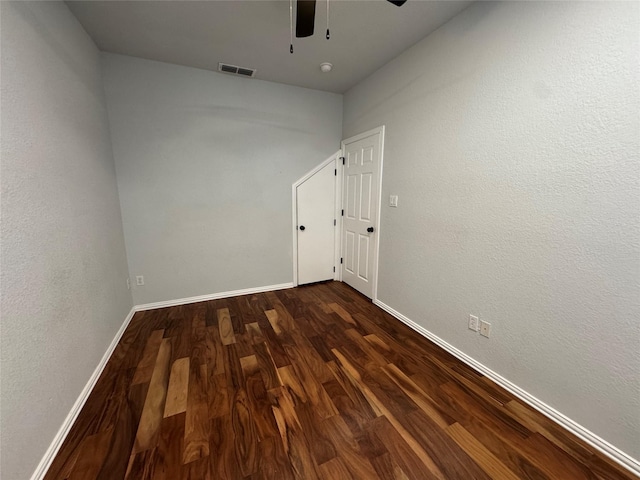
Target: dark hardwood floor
x=307 y=383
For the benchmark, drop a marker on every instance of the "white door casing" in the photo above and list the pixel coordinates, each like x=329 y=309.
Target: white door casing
x=315 y=232
x=362 y=177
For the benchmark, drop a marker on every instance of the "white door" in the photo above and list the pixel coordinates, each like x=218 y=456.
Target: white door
x=360 y=201
x=315 y=199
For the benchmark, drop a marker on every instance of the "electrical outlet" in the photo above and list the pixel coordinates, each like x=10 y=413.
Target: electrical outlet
x=473 y=323
x=128 y=284
x=140 y=280
x=485 y=328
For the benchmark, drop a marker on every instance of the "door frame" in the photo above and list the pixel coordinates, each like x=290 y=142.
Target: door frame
x=335 y=159
x=378 y=130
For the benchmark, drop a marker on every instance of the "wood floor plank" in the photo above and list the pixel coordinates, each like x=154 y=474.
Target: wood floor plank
x=245 y=435
x=483 y=457
x=361 y=407
x=348 y=449
x=313 y=359
x=169 y=459
x=538 y=423
x=142 y=465
x=317 y=436
x=124 y=432
x=335 y=468
x=288 y=378
x=255 y=334
x=196 y=429
x=218 y=396
x=197 y=470
x=227 y=335
x=145 y=367
x=309 y=383
x=313 y=388
x=424 y=402
x=439 y=446
x=178 y=388
x=387 y=469
x=293 y=440
x=92 y=454
x=400 y=451
x=276 y=348
x=344 y=315
x=215 y=351
x=273 y=461
x=275 y=321
x=199 y=348
x=222 y=458
x=426 y=460
x=152 y=412
x=263 y=418
x=267 y=366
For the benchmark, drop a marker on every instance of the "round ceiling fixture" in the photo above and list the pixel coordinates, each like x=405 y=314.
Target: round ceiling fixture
x=325 y=67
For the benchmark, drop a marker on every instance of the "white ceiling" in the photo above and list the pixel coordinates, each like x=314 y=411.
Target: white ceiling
x=365 y=35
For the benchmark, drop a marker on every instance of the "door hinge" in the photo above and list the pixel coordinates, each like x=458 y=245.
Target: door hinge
x=343 y=212
x=342 y=158
x=334 y=269
x=335 y=172
x=334 y=222
x=341 y=260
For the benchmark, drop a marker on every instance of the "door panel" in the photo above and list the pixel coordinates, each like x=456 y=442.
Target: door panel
x=316 y=213
x=361 y=198
x=367 y=155
x=363 y=261
x=365 y=197
x=350 y=263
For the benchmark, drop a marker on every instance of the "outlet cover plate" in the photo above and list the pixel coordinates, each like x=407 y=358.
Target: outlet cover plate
x=485 y=328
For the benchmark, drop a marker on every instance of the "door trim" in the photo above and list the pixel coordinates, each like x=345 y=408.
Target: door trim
x=294 y=208
x=378 y=130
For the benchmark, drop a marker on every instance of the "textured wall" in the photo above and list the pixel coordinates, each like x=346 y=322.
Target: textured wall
x=512 y=140
x=205 y=163
x=64 y=267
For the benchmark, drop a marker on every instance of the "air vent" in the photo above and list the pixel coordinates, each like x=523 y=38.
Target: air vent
x=235 y=70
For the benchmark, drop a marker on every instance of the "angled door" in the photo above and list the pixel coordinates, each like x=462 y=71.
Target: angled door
x=360 y=200
x=315 y=199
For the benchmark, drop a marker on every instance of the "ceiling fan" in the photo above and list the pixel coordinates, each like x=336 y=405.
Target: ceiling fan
x=306 y=12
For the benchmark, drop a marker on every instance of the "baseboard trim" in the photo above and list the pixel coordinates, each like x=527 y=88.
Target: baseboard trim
x=212 y=296
x=578 y=430
x=52 y=451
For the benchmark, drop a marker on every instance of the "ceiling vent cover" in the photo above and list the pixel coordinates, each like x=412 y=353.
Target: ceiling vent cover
x=235 y=70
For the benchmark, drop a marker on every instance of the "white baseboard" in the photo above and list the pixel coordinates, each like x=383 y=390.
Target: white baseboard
x=211 y=296
x=578 y=430
x=52 y=451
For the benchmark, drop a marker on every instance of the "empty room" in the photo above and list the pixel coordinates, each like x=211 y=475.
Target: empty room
x=319 y=239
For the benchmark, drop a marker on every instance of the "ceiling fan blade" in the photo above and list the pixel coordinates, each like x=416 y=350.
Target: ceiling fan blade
x=305 y=17
x=397 y=3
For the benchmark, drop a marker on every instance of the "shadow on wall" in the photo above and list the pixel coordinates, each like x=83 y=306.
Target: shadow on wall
x=60 y=50
x=244 y=115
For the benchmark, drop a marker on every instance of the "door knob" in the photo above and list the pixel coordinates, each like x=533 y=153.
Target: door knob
x=370 y=229
x=301 y=227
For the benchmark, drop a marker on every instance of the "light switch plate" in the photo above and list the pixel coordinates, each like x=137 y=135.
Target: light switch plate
x=393 y=200
x=473 y=323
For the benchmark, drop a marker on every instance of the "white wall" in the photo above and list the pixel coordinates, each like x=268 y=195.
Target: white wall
x=512 y=141
x=205 y=163
x=64 y=267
